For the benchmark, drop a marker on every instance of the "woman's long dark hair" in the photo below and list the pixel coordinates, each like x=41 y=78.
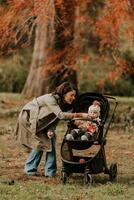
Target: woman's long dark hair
x=61 y=90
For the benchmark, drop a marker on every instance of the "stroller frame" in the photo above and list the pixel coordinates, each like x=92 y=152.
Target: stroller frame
x=97 y=163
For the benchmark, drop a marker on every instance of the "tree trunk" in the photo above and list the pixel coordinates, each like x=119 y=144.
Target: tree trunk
x=53 y=54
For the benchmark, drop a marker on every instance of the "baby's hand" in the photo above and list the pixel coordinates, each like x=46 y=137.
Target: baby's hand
x=50 y=134
x=89 y=117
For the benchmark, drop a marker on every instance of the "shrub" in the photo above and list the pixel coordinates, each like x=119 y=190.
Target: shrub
x=123 y=87
x=13 y=72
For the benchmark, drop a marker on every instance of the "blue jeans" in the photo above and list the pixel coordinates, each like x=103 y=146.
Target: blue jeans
x=34 y=159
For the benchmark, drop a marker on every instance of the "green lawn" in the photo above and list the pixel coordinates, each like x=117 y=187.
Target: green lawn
x=73 y=191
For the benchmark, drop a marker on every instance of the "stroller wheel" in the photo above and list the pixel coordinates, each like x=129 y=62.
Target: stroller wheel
x=113 y=172
x=63 y=177
x=88 y=180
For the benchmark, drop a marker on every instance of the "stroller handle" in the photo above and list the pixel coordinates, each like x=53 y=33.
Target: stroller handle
x=112 y=98
x=112 y=115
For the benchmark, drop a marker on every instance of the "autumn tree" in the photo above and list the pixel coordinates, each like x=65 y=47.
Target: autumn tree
x=57 y=40
x=55 y=28
x=53 y=54
x=53 y=60
x=116 y=22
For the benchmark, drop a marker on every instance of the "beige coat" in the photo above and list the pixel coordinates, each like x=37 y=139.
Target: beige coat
x=36 y=118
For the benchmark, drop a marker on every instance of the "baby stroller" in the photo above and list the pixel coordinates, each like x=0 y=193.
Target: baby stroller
x=92 y=164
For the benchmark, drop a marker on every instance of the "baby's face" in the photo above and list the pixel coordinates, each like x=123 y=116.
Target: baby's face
x=93 y=114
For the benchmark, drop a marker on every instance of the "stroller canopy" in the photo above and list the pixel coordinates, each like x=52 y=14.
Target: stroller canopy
x=85 y=100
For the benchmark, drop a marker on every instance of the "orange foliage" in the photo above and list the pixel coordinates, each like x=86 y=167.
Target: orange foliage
x=113 y=76
x=108 y=25
x=85 y=59
x=101 y=83
x=90 y=75
x=12 y=17
x=121 y=67
x=114 y=15
x=124 y=66
x=14 y=23
x=57 y=59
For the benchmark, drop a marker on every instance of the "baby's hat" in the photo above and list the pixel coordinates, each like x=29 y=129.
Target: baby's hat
x=94 y=108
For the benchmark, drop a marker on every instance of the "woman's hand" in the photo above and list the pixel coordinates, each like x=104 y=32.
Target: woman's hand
x=50 y=134
x=80 y=115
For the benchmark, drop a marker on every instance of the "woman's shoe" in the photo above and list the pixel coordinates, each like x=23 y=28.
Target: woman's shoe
x=32 y=173
x=50 y=176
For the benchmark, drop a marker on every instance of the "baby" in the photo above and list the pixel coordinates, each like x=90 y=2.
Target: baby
x=86 y=129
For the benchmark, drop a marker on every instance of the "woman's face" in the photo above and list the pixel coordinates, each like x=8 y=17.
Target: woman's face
x=70 y=96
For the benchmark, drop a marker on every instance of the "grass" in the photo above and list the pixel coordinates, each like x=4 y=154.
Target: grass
x=45 y=191
x=119 y=149
x=127 y=100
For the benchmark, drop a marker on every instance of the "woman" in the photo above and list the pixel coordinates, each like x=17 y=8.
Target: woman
x=36 y=124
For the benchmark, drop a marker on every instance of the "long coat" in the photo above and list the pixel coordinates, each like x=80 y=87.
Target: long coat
x=36 y=118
